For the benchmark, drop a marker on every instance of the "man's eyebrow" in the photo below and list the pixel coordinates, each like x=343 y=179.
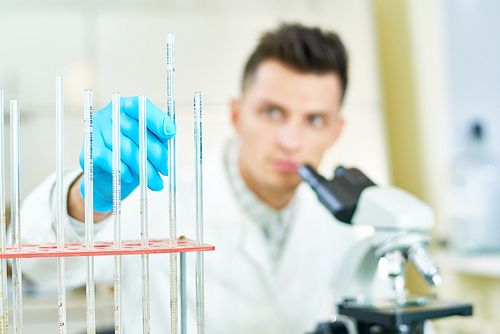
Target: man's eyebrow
x=268 y=102
x=311 y=112
x=320 y=113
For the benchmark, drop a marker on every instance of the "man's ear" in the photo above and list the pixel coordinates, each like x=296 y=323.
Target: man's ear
x=338 y=130
x=235 y=105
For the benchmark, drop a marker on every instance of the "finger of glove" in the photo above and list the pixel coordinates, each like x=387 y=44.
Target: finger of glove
x=103 y=159
x=130 y=155
x=158 y=122
x=157 y=150
x=103 y=163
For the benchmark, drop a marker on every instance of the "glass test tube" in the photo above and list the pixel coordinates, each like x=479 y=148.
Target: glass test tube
x=61 y=282
x=143 y=160
x=4 y=303
x=200 y=269
x=117 y=211
x=89 y=210
x=173 y=183
x=17 y=277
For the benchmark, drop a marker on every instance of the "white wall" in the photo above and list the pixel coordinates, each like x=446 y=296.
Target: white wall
x=99 y=45
x=471 y=29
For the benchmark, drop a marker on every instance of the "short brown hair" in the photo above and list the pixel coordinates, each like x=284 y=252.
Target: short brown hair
x=308 y=50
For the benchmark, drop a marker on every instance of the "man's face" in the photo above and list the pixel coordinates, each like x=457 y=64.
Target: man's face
x=284 y=119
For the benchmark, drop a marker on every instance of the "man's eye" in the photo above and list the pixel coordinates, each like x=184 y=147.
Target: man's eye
x=273 y=112
x=317 y=120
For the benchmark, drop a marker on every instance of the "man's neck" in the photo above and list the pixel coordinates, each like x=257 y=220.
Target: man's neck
x=275 y=199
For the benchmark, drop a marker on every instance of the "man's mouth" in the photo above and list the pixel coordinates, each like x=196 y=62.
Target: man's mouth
x=285 y=166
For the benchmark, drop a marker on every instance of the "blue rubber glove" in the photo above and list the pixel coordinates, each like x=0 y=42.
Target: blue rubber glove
x=160 y=130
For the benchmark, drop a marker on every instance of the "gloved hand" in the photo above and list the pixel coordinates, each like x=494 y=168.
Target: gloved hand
x=160 y=130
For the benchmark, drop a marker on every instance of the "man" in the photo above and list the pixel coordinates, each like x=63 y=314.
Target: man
x=277 y=249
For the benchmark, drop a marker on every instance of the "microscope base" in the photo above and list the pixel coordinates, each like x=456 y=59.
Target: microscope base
x=400 y=319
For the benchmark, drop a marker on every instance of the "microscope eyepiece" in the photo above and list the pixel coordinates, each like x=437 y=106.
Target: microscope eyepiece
x=341 y=194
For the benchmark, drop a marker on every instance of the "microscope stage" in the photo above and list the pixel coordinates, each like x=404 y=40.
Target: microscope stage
x=393 y=316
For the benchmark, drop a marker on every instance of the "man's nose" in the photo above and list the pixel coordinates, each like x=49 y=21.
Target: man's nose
x=290 y=138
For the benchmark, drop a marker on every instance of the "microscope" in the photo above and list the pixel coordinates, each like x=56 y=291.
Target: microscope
x=400 y=223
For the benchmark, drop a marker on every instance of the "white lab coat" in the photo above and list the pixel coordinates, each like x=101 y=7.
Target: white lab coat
x=245 y=292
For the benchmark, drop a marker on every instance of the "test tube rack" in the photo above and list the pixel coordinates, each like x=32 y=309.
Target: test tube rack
x=102 y=248
x=115 y=248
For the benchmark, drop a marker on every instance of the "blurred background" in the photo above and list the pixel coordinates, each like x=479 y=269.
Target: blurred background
x=421 y=106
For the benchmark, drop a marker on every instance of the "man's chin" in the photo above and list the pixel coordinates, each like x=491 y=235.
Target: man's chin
x=286 y=184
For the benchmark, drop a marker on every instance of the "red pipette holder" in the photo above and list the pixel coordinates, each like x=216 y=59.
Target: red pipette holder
x=129 y=247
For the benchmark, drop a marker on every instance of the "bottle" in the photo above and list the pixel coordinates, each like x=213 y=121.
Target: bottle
x=475 y=197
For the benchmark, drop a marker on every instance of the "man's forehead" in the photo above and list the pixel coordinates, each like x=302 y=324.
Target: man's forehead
x=274 y=81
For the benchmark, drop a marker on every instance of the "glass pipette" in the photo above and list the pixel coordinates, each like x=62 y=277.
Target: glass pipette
x=4 y=303
x=17 y=277
x=143 y=159
x=117 y=211
x=200 y=292
x=182 y=293
x=89 y=210
x=173 y=185
x=61 y=282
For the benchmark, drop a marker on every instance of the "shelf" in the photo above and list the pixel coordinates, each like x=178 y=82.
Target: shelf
x=475 y=264
x=129 y=247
